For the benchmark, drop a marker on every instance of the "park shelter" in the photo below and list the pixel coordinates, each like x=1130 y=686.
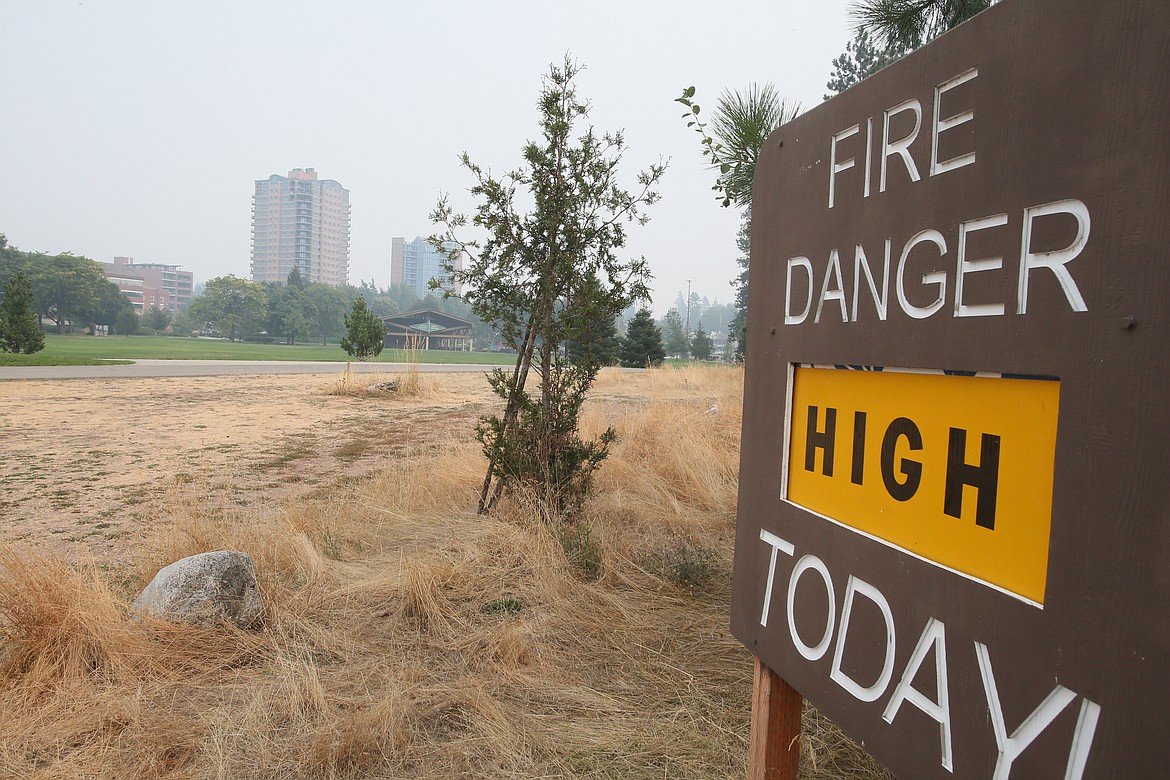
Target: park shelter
x=428 y=329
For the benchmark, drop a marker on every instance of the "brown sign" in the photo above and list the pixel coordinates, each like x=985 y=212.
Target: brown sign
x=954 y=514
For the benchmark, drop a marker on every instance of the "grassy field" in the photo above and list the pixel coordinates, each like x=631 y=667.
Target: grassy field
x=406 y=636
x=41 y=359
x=72 y=350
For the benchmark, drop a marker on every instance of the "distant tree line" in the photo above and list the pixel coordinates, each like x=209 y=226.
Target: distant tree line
x=298 y=311
x=645 y=343
x=71 y=293
x=68 y=290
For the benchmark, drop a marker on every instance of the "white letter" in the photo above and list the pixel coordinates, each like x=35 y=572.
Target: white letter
x=873 y=692
x=834 y=166
x=868 y=154
x=935 y=277
x=933 y=634
x=789 y=317
x=815 y=563
x=831 y=271
x=937 y=167
x=1053 y=260
x=971 y=266
x=1078 y=754
x=778 y=545
x=860 y=263
x=1011 y=747
x=900 y=147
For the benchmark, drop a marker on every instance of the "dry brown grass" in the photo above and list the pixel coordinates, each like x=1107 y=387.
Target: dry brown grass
x=351 y=383
x=408 y=383
x=407 y=637
x=412 y=384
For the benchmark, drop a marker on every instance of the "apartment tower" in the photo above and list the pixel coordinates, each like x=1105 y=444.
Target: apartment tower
x=414 y=264
x=300 y=221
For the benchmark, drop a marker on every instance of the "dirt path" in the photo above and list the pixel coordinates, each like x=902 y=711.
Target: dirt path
x=88 y=467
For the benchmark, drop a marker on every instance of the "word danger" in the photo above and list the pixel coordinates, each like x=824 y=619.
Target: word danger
x=931 y=642
x=948 y=255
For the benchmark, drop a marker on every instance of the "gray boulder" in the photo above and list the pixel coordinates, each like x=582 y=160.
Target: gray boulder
x=205 y=590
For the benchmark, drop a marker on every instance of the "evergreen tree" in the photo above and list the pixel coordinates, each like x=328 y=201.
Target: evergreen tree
x=732 y=144
x=159 y=319
x=907 y=24
x=365 y=334
x=860 y=60
x=701 y=344
x=733 y=140
x=290 y=315
x=127 y=322
x=19 y=329
x=540 y=278
x=642 y=346
x=716 y=317
x=598 y=344
x=674 y=333
x=295 y=279
x=737 y=328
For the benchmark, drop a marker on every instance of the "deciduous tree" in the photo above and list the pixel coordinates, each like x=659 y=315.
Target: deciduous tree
x=115 y=311
x=66 y=288
x=230 y=304
x=326 y=307
x=12 y=261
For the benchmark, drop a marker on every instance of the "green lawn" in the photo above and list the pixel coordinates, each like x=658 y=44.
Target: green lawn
x=41 y=359
x=72 y=350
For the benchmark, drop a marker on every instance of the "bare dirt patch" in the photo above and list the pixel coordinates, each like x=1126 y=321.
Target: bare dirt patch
x=88 y=468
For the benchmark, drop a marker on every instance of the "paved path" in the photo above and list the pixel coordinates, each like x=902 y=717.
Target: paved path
x=149 y=368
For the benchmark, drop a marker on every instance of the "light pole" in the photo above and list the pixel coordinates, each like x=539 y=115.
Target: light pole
x=689 y=308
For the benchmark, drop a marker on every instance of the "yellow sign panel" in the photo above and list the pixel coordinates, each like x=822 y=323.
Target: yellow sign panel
x=954 y=469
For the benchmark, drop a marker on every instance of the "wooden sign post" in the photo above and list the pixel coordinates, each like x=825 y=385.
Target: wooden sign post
x=953 y=529
x=774 y=749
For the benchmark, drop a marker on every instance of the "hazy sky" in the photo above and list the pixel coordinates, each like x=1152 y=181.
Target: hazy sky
x=139 y=128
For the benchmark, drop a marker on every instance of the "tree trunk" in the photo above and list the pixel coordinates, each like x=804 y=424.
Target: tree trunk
x=519 y=378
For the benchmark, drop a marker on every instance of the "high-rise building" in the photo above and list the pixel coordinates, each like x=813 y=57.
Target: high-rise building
x=414 y=264
x=300 y=222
